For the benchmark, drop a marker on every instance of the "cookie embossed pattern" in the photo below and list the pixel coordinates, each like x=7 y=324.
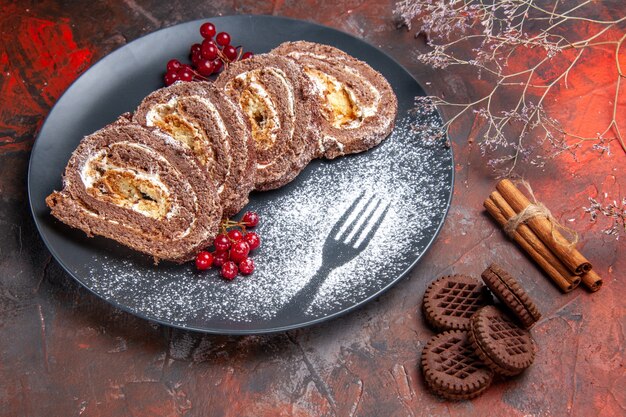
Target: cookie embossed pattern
x=301 y=220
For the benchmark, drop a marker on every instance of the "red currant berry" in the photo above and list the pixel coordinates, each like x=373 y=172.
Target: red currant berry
x=247 y=55
x=229 y=270
x=195 y=48
x=196 y=58
x=185 y=75
x=253 y=240
x=220 y=258
x=173 y=65
x=222 y=39
x=185 y=67
x=204 y=260
x=205 y=67
x=209 y=50
x=250 y=219
x=239 y=251
x=235 y=235
x=207 y=30
x=170 y=78
x=230 y=52
x=217 y=66
x=221 y=243
x=246 y=267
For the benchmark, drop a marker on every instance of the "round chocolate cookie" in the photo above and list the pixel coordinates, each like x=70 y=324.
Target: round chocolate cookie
x=450 y=301
x=209 y=124
x=141 y=188
x=508 y=290
x=452 y=369
x=505 y=347
x=276 y=97
x=357 y=104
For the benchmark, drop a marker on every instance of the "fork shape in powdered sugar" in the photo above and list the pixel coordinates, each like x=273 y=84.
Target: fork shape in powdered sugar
x=347 y=239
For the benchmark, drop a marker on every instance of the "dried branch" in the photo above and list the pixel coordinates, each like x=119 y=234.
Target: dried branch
x=613 y=213
x=489 y=37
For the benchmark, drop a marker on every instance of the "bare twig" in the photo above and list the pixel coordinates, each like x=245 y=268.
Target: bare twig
x=497 y=31
x=613 y=213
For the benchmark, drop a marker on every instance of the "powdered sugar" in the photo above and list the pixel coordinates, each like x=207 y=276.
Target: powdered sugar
x=407 y=172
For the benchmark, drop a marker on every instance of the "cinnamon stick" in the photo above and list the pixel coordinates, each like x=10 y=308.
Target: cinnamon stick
x=539 y=256
x=545 y=230
x=592 y=280
x=533 y=240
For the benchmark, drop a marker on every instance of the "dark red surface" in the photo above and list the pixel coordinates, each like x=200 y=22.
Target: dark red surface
x=64 y=352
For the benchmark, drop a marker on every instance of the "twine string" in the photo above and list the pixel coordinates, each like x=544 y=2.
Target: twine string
x=537 y=208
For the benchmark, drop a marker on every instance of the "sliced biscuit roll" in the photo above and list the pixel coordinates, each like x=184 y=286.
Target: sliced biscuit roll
x=208 y=123
x=358 y=106
x=275 y=95
x=141 y=188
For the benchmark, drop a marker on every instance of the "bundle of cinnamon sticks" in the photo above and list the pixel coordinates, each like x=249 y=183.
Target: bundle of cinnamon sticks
x=541 y=240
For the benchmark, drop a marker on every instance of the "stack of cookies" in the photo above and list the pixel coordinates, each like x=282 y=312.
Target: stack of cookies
x=161 y=179
x=476 y=340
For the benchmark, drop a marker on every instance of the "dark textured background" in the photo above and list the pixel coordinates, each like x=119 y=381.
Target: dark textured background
x=64 y=352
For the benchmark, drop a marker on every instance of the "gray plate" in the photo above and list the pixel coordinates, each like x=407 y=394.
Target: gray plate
x=409 y=174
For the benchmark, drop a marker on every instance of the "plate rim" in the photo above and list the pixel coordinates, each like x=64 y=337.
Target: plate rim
x=236 y=332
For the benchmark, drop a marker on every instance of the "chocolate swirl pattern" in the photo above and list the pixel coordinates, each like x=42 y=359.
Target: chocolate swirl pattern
x=357 y=105
x=276 y=97
x=209 y=124
x=141 y=188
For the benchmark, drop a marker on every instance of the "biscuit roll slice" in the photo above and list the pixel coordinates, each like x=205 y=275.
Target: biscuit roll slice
x=209 y=124
x=275 y=96
x=358 y=106
x=141 y=188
